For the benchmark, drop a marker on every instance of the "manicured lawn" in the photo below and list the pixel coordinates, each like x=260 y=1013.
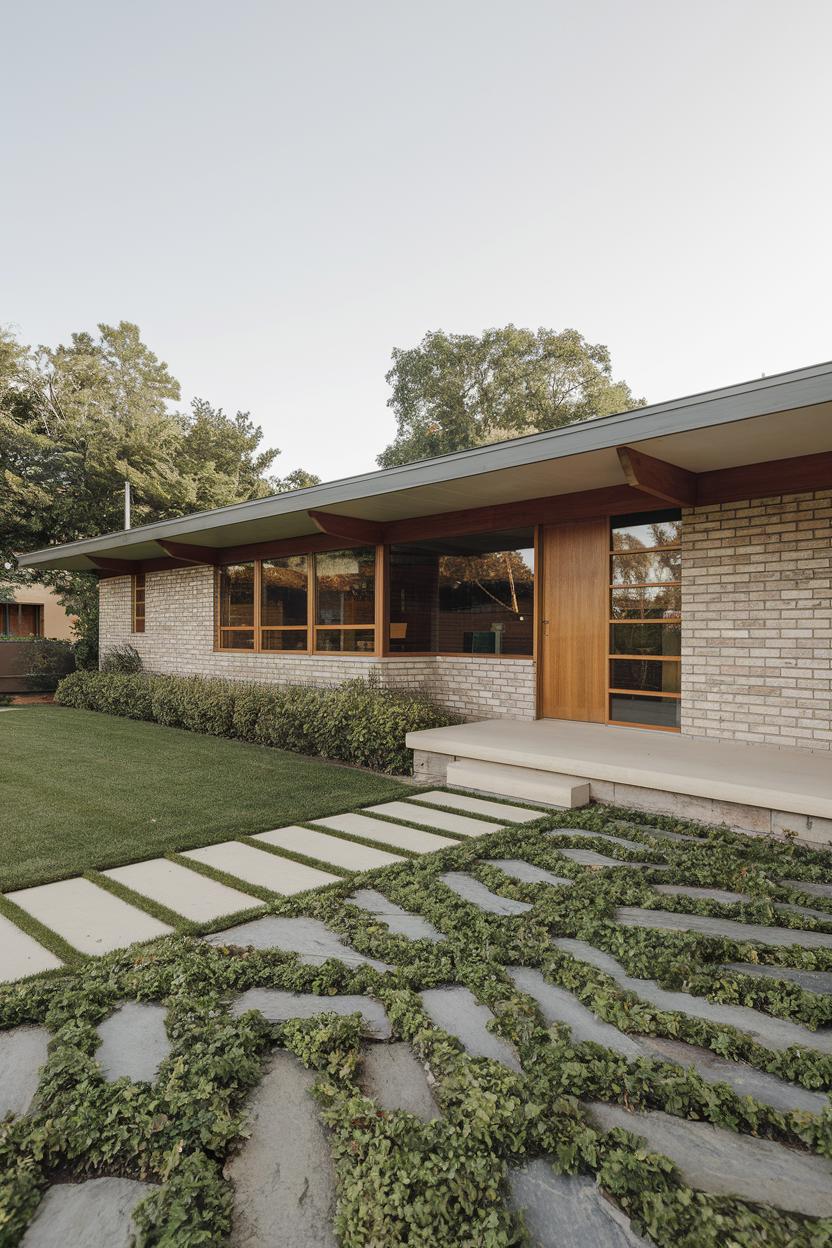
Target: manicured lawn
x=79 y=790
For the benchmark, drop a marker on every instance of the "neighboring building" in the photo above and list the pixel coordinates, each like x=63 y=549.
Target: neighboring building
x=667 y=569
x=33 y=611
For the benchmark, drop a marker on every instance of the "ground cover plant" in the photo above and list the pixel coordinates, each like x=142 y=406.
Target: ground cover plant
x=110 y=791
x=403 y=1181
x=357 y=721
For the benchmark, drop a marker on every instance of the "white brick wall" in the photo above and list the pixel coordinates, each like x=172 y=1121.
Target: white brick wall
x=757 y=621
x=179 y=639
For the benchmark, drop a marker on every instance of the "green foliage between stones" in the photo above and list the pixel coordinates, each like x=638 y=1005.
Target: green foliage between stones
x=357 y=722
x=401 y=1181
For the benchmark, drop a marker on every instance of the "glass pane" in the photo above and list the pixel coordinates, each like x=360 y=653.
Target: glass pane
x=237 y=595
x=284 y=585
x=346 y=587
x=637 y=567
x=626 y=708
x=283 y=639
x=646 y=639
x=637 y=532
x=656 y=603
x=237 y=639
x=362 y=640
x=650 y=676
x=466 y=595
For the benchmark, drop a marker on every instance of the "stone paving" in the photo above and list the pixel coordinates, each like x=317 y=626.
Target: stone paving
x=282 y=1176
x=94 y=921
x=95 y=1214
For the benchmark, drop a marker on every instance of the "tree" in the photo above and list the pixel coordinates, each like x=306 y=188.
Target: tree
x=78 y=420
x=455 y=391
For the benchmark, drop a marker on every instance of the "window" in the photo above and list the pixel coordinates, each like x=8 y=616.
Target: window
x=345 y=585
x=138 y=602
x=645 y=620
x=264 y=606
x=467 y=595
x=21 y=619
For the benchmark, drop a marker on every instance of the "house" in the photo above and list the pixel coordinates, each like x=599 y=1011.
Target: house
x=637 y=607
x=33 y=611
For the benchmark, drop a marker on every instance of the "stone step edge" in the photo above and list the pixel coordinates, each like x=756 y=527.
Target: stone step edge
x=552 y=788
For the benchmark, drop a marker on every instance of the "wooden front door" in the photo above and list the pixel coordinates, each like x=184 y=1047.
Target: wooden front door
x=573 y=620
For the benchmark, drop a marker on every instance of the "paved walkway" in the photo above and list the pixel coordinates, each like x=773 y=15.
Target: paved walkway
x=93 y=920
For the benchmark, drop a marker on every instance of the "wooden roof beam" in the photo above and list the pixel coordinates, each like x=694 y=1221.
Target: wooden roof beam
x=188 y=553
x=349 y=527
x=119 y=567
x=657 y=478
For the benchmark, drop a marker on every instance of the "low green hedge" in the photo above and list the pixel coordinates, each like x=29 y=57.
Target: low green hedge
x=357 y=722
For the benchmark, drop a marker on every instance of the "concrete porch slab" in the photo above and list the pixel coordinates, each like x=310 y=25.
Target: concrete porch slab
x=729 y=771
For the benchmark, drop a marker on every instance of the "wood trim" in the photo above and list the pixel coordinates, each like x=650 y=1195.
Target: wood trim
x=382 y=600
x=184 y=553
x=310 y=544
x=122 y=567
x=624 y=723
x=657 y=478
x=778 y=476
x=351 y=527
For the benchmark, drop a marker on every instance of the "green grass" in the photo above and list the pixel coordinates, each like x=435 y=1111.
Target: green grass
x=82 y=791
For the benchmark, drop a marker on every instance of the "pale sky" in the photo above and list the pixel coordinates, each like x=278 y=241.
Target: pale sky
x=280 y=194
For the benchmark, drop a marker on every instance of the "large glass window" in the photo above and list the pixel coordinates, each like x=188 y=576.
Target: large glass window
x=284 y=591
x=466 y=595
x=345 y=592
x=236 y=609
x=138 y=589
x=645 y=620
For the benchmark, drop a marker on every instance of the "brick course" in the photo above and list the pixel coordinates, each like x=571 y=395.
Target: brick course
x=757 y=621
x=179 y=639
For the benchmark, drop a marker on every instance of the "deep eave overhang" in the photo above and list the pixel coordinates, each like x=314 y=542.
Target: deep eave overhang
x=581 y=457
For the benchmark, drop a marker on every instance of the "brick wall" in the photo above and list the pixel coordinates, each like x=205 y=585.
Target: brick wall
x=757 y=621
x=179 y=639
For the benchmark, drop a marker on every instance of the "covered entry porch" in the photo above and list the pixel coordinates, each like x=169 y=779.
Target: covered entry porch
x=753 y=788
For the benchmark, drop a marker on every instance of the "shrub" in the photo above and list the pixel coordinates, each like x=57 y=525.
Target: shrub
x=39 y=662
x=123 y=659
x=357 y=722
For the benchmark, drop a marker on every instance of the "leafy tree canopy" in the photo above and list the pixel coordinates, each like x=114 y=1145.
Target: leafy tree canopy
x=77 y=420
x=455 y=391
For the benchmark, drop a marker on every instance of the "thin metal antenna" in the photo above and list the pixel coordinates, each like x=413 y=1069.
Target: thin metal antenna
x=127 y=504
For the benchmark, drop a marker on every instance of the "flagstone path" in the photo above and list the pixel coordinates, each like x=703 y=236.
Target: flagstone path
x=278 y=1006
x=309 y=938
x=92 y=920
x=562 y=1209
x=95 y=1214
x=393 y=1076
x=636 y=916
x=457 y=1011
x=395 y=919
x=469 y=889
x=134 y=1042
x=22 y=1053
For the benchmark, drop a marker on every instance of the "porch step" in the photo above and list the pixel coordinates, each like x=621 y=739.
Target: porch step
x=527 y=783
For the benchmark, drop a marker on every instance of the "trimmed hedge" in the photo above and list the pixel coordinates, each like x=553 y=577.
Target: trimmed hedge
x=356 y=722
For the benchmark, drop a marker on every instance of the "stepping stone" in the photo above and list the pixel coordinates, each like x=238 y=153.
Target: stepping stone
x=728 y=1164
x=394 y=918
x=561 y=1209
x=648 y=828
x=459 y=824
x=331 y=849
x=786 y=907
x=95 y=1214
x=559 y=1006
x=393 y=1076
x=283 y=1177
x=472 y=890
x=185 y=892
x=478 y=806
x=22 y=1054
x=744 y=1079
x=526 y=872
x=722 y=895
x=21 y=955
x=589 y=858
x=278 y=1006
x=310 y=938
x=811 y=981
x=731 y=929
x=457 y=1011
x=810 y=887
x=389 y=833
x=134 y=1042
x=258 y=866
x=604 y=836
x=773 y=1033
x=89 y=918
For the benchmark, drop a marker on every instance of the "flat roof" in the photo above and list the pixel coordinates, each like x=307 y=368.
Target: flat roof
x=770 y=418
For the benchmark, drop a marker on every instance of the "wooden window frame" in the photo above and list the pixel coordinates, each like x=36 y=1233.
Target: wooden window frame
x=651 y=658
x=138 y=618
